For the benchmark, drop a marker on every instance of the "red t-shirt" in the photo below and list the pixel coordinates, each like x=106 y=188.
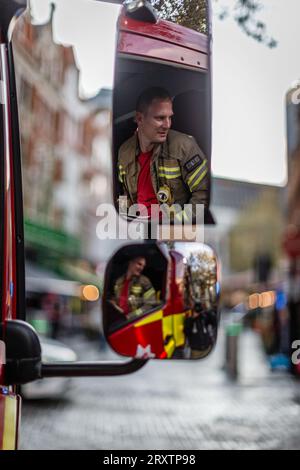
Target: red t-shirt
x=145 y=191
x=123 y=303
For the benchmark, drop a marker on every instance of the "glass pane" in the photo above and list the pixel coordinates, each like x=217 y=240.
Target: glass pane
x=64 y=84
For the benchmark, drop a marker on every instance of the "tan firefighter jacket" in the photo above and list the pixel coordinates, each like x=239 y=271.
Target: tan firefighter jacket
x=141 y=294
x=178 y=163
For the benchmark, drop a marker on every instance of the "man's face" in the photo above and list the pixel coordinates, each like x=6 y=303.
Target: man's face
x=155 y=123
x=136 y=266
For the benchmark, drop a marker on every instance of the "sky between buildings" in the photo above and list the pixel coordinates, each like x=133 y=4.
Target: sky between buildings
x=249 y=79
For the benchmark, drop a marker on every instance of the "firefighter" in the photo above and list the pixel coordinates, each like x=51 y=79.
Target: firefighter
x=158 y=165
x=133 y=292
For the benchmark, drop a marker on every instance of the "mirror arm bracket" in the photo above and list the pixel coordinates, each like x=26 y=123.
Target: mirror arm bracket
x=91 y=369
x=23 y=359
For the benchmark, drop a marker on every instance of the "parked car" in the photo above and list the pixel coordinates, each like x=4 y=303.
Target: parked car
x=52 y=351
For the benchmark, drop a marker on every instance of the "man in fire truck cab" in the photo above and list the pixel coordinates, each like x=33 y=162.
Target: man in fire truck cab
x=158 y=165
x=133 y=292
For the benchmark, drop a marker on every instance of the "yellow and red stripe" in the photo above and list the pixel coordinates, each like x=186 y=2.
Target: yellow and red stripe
x=8 y=420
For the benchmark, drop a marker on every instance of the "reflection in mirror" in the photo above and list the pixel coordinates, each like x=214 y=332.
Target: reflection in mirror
x=64 y=98
x=135 y=285
x=162 y=301
x=189 y=13
x=201 y=296
x=162 y=114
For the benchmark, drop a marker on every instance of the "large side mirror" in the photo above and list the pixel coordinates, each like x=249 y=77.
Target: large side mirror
x=162 y=112
x=162 y=302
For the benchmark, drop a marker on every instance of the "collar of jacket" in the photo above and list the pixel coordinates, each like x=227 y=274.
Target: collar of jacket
x=155 y=152
x=133 y=279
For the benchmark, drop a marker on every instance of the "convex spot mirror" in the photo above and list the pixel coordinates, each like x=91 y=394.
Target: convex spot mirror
x=162 y=112
x=161 y=301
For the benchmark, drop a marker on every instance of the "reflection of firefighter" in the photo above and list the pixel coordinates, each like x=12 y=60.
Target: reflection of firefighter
x=158 y=165
x=133 y=292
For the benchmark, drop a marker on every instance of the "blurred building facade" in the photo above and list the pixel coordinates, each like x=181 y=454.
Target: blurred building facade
x=65 y=144
x=66 y=173
x=249 y=220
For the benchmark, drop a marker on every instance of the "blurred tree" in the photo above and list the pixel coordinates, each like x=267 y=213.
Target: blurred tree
x=244 y=13
x=192 y=14
x=189 y=13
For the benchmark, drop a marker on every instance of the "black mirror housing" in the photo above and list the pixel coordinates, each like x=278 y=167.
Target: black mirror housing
x=141 y=10
x=23 y=352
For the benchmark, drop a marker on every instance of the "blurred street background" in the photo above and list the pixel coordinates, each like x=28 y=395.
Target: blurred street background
x=174 y=405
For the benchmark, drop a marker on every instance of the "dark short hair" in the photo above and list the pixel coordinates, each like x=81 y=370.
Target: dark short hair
x=137 y=257
x=150 y=94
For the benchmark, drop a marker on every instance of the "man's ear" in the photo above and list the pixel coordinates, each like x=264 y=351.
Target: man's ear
x=138 y=117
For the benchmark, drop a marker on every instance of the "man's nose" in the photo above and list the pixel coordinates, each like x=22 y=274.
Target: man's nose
x=167 y=123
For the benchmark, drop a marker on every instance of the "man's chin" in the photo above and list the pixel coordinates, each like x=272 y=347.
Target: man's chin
x=161 y=138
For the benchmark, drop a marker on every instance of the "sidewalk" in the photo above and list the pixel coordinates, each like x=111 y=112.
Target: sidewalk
x=174 y=405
